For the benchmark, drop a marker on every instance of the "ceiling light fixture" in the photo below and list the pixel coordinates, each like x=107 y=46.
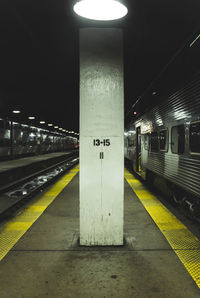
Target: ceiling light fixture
x=100 y=10
x=16 y=111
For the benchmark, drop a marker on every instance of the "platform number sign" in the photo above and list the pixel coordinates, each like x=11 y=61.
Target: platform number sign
x=103 y=142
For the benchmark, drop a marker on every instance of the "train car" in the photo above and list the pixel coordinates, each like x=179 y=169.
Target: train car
x=163 y=146
x=5 y=138
x=20 y=139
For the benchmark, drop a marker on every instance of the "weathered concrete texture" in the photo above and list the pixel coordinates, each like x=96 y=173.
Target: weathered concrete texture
x=101 y=121
x=48 y=262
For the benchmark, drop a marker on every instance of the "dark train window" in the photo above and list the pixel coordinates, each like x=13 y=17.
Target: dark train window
x=178 y=139
x=154 y=141
x=7 y=142
x=1 y=124
x=163 y=140
x=7 y=125
x=195 y=137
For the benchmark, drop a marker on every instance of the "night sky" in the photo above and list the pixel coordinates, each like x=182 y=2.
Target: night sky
x=39 y=61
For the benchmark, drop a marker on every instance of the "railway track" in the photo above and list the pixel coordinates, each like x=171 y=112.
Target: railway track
x=16 y=194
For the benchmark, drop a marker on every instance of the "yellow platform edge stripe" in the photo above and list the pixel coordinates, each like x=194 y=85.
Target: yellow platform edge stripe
x=15 y=228
x=183 y=242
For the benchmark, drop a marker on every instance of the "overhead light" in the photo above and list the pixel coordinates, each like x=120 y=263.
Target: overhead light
x=31 y=118
x=100 y=10
x=193 y=42
x=60 y=128
x=154 y=93
x=55 y=126
x=50 y=124
x=42 y=122
x=16 y=111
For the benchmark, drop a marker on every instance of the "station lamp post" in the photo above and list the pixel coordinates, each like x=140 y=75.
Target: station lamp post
x=101 y=124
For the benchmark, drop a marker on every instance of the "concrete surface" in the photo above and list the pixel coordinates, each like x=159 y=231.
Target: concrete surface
x=101 y=136
x=48 y=261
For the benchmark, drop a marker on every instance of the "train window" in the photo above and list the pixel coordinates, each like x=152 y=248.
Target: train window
x=178 y=139
x=146 y=141
x=1 y=124
x=7 y=125
x=163 y=140
x=195 y=137
x=7 y=142
x=130 y=141
x=154 y=141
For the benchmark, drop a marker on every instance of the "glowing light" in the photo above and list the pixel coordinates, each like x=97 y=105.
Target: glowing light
x=195 y=40
x=16 y=111
x=50 y=124
x=55 y=126
x=101 y=10
x=31 y=118
x=42 y=122
x=135 y=113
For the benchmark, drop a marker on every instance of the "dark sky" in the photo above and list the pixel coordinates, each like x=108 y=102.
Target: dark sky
x=39 y=55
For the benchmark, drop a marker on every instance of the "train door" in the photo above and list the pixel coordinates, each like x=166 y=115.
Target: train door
x=138 y=149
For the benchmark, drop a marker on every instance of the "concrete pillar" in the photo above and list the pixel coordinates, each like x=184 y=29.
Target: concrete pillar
x=101 y=136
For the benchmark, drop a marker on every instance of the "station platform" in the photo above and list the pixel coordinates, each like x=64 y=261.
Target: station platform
x=40 y=254
x=13 y=170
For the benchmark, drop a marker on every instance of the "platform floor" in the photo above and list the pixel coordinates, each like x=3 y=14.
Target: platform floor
x=48 y=262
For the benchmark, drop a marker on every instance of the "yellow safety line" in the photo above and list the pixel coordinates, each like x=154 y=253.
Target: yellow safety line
x=13 y=230
x=183 y=242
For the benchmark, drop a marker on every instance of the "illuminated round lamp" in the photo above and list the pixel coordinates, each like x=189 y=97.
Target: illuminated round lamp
x=42 y=122
x=16 y=111
x=100 y=10
x=31 y=118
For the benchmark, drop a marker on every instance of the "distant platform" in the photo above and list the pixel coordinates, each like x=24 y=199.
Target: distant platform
x=14 y=170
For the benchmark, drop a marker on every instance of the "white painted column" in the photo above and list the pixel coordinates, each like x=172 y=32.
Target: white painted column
x=101 y=137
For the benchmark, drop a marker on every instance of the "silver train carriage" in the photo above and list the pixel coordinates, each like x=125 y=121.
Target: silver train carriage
x=163 y=146
x=19 y=139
